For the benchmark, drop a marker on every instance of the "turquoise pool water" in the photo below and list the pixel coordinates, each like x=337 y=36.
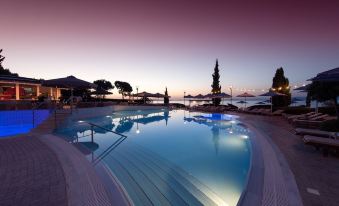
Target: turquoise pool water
x=169 y=157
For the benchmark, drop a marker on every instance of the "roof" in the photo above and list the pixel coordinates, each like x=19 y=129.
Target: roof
x=330 y=75
x=10 y=78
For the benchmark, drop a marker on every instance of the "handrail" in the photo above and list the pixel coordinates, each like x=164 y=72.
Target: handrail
x=105 y=129
x=115 y=144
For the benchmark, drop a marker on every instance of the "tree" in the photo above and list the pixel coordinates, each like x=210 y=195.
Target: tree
x=4 y=71
x=103 y=84
x=166 y=99
x=325 y=91
x=281 y=84
x=216 y=88
x=124 y=88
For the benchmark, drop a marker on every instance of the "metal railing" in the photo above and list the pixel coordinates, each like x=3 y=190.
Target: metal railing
x=110 y=148
x=34 y=110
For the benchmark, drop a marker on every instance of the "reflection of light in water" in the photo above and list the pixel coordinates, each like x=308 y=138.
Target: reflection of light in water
x=108 y=116
x=244 y=136
x=233 y=122
x=185 y=122
x=233 y=141
x=80 y=121
x=138 y=131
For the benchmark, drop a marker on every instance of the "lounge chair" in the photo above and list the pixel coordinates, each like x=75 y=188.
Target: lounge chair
x=299 y=115
x=307 y=117
x=314 y=117
x=312 y=123
x=315 y=132
x=275 y=113
x=319 y=142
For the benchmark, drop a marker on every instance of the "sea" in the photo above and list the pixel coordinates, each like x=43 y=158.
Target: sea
x=238 y=101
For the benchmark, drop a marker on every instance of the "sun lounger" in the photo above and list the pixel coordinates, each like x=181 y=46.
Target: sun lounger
x=300 y=115
x=275 y=113
x=309 y=117
x=265 y=112
x=314 y=123
x=319 y=142
x=258 y=111
x=315 y=132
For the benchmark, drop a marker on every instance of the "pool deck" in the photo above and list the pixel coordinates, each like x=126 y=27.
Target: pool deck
x=30 y=173
x=316 y=176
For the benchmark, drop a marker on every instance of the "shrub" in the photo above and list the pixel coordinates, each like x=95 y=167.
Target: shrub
x=330 y=125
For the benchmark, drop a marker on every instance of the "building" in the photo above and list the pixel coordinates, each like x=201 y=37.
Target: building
x=22 y=88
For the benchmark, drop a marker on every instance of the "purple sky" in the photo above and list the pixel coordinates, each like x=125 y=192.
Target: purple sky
x=157 y=43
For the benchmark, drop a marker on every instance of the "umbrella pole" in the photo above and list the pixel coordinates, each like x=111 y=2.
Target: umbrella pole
x=271 y=105
x=71 y=100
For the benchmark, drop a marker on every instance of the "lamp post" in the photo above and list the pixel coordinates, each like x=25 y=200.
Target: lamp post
x=231 y=93
x=137 y=87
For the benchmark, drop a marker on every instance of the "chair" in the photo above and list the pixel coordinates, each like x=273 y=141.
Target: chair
x=315 y=132
x=319 y=142
x=299 y=115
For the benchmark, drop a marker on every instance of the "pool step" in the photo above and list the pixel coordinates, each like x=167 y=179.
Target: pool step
x=134 y=190
x=179 y=187
x=179 y=173
x=156 y=189
x=159 y=176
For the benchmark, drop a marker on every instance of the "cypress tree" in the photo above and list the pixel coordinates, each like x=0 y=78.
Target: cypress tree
x=216 y=88
x=166 y=99
x=281 y=84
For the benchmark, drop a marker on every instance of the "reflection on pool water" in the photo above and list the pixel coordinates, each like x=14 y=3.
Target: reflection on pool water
x=170 y=157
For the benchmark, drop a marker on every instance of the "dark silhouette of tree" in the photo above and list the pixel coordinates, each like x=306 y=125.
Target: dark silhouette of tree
x=216 y=88
x=4 y=71
x=103 y=84
x=281 y=84
x=124 y=88
x=325 y=91
x=166 y=99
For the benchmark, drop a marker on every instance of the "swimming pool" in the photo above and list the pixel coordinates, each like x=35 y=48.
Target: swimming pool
x=169 y=157
x=20 y=121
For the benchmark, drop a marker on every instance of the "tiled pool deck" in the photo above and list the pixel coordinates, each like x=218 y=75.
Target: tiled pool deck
x=30 y=173
x=33 y=172
x=314 y=173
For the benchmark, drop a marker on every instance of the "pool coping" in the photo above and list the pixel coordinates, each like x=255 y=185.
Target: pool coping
x=255 y=192
x=83 y=184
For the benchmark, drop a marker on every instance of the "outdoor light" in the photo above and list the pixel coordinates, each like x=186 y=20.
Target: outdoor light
x=138 y=131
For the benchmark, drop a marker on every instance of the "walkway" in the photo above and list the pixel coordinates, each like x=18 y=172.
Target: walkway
x=317 y=177
x=30 y=173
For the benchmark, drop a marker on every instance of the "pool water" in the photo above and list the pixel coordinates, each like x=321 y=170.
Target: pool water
x=170 y=157
x=20 y=121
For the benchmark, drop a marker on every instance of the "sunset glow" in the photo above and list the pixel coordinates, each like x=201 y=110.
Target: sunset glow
x=154 y=44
